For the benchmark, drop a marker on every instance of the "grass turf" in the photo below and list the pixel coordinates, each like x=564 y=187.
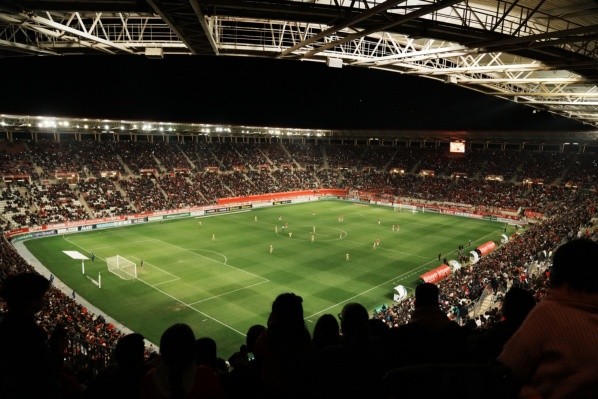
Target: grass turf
x=221 y=287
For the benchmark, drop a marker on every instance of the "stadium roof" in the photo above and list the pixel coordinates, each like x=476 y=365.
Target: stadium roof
x=106 y=129
x=541 y=53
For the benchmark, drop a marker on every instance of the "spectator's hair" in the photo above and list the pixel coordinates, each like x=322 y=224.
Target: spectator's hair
x=286 y=326
x=287 y=309
x=426 y=294
x=130 y=350
x=354 y=322
x=177 y=345
x=253 y=334
x=517 y=304
x=21 y=288
x=206 y=351
x=575 y=264
x=326 y=331
x=354 y=312
x=177 y=348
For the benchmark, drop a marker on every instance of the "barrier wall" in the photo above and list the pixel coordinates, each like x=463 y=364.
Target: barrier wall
x=281 y=196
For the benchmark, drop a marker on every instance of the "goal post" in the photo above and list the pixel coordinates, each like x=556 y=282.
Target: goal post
x=122 y=267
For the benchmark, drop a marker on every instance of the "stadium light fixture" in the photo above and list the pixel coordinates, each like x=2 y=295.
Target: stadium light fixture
x=334 y=62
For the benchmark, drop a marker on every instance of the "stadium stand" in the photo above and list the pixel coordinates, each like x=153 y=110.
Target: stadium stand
x=161 y=176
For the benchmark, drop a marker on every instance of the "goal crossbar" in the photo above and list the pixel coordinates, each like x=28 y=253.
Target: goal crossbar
x=122 y=267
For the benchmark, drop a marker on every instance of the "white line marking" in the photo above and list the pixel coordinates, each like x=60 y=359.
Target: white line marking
x=229 y=292
x=167 y=281
x=176 y=299
x=213 y=260
x=155 y=267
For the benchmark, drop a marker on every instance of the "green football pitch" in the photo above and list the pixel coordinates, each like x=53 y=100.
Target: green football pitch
x=218 y=274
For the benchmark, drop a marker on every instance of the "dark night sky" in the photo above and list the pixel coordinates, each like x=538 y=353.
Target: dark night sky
x=257 y=92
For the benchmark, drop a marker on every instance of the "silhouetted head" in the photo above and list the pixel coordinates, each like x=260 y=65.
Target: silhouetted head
x=354 y=320
x=287 y=309
x=130 y=350
x=206 y=351
x=177 y=346
x=252 y=335
x=326 y=331
x=517 y=304
x=426 y=294
x=378 y=328
x=25 y=292
x=575 y=265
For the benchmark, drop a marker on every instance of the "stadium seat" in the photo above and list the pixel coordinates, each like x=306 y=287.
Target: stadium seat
x=450 y=381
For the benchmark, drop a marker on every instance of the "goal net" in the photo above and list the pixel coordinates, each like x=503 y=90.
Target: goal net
x=122 y=267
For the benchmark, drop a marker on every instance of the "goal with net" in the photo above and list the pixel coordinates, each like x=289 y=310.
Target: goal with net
x=122 y=267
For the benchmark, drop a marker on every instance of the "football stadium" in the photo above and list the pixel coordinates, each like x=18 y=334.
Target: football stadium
x=150 y=257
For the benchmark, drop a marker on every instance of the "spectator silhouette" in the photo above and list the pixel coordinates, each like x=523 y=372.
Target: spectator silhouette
x=27 y=369
x=206 y=354
x=555 y=351
x=326 y=332
x=177 y=377
x=487 y=344
x=284 y=348
x=245 y=376
x=127 y=372
x=246 y=352
x=430 y=336
x=353 y=369
x=379 y=329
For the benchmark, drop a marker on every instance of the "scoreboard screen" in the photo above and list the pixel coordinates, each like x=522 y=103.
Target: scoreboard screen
x=457 y=146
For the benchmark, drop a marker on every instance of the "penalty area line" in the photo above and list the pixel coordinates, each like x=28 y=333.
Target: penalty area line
x=229 y=292
x=192 y=308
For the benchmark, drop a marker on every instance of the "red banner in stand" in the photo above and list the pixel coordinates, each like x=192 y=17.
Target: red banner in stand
x=486 y=248
x=281 y=196
x=435 y=275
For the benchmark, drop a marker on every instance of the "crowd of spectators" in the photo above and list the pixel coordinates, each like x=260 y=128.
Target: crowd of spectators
x=342 y=156
x=15 y=160
x=228 y=155
x=223 y=169
x=92 y=338
x=54 y=157
x=501 y=163
x=15 y=208
x=57 y=203
x=137 y=156
x=308 y=156
x=583 y=172
x=250 y=155
x=520 y=263
x=276 y=154
x=180 y=191
x=263 y=181
x=377 y=157
x=211 y=186
x=468 y=165
x=144 y=193
x=549 y=166
x=100 y=158
x=239 y=183
x=511 y=265
x=431 y=158
x=201 y=154
x=328 y=177
x=103 y=198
